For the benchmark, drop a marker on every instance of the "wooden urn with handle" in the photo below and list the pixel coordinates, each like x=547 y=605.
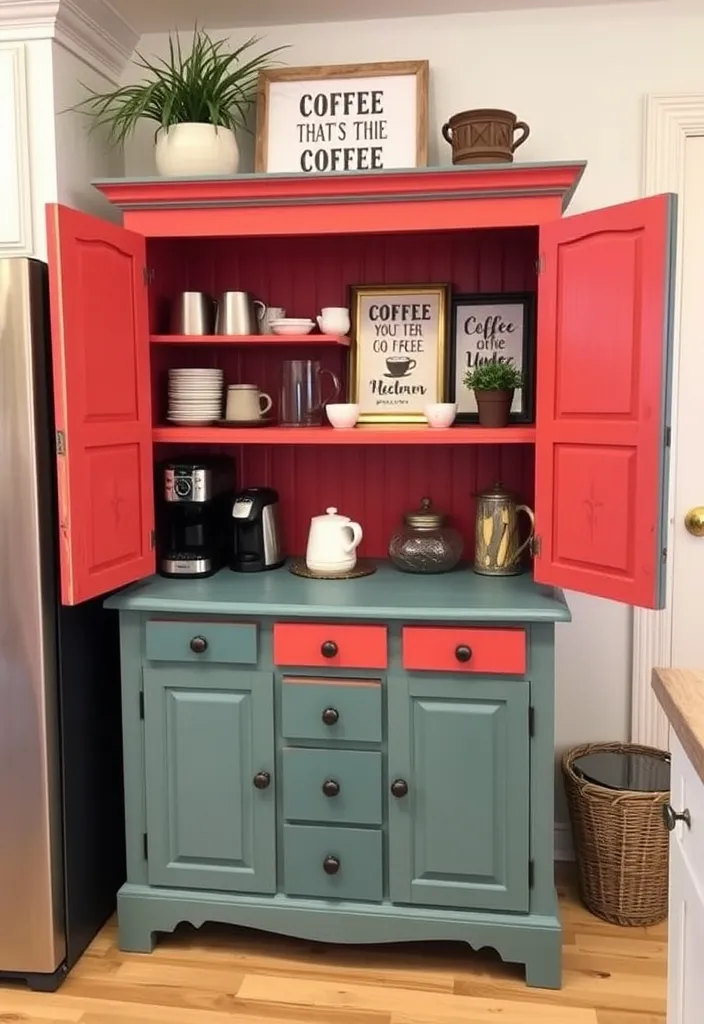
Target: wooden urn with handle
x=484 y=136
x=498 y=548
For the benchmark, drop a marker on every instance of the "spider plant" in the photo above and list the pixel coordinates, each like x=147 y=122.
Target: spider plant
x=210 y=85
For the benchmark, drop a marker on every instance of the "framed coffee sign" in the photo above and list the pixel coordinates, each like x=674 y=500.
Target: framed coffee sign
x=345 y=117
x=497 y=328
x=398 y=350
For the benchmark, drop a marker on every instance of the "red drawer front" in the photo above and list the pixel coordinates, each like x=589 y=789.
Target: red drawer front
x=334 y=646
x=444 y=648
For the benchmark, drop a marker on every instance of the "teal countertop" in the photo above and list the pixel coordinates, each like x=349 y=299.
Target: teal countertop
x=387 y=595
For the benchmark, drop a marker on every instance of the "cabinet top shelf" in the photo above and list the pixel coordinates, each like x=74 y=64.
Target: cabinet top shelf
x=367 y=435
x=414 y=199
x=252 y=340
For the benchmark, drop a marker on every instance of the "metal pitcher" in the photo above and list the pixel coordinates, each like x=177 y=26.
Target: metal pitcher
x=239 y=314
x=498 y=549
x=193 y=313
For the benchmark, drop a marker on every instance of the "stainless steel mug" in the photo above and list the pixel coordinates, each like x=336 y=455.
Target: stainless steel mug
x=193 y=313
x=301 y=393
x=239 y=314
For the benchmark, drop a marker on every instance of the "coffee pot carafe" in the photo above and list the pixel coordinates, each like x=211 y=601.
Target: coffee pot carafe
x=498 y=549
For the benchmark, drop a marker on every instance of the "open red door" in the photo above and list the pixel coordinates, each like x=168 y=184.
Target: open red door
x=604 y=338
x=100 y=343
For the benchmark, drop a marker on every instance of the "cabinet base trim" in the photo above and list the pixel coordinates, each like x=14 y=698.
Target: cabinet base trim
x=531 y=939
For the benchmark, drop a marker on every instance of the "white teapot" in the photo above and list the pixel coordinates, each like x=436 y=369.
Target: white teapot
x=332 y=543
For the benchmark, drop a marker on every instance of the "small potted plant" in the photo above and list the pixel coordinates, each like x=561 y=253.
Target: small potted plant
x=199 y=101
x=494 y=384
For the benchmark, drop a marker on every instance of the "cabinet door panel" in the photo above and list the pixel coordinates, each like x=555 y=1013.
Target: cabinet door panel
x=460 y=836
x=100 y=349
x=207 y=733
x=685 y=989
x=604 y=338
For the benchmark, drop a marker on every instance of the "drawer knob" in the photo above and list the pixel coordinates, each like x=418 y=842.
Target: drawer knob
x=331 y=716
x=671 y=817
x=331 y=865
x=328 y=649
x=463 y=653
x=399 y=788
x=331 y=787
x=199 y=645
x=262 y=780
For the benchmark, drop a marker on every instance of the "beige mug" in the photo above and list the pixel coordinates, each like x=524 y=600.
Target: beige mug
x=244 y=403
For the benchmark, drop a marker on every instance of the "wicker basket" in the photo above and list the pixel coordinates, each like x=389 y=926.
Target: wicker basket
x=621 y=842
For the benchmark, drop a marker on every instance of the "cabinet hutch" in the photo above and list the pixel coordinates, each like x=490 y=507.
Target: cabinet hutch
x=329 y=763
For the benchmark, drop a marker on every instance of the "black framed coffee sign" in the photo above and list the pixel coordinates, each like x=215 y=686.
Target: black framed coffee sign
x=399 y=341
x=489 y=328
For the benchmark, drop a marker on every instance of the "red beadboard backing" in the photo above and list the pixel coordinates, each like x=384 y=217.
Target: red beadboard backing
x=304 y=274
x=374 y=485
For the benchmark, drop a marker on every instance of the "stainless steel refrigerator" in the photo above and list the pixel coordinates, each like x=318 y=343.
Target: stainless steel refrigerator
x=61 y=825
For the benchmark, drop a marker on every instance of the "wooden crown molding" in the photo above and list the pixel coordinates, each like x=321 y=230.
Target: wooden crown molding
x=90 y=29
x=669 y=121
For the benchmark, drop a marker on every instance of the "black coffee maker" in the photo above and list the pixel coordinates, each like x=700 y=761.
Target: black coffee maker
x=194 y=531
x=257 y=538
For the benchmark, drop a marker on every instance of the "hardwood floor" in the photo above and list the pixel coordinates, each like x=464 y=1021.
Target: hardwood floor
x=217 y=975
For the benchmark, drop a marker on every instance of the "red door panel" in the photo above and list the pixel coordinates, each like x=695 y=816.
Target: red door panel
x=100 y=345
x=604 y=336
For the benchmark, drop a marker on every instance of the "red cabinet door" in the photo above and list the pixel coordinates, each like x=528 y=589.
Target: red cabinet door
x=604 y=338
x=100 y=346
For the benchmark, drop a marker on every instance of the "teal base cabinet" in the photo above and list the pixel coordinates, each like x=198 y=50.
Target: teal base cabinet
x=409 y=797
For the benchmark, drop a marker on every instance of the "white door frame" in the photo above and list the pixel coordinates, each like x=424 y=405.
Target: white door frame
x=669 y=121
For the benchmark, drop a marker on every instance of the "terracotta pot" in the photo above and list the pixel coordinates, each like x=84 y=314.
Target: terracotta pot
x=484 y=136
x=191 y=150
x=494 y=407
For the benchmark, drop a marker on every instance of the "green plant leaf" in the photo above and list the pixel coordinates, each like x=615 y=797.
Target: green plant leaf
x=493 y=376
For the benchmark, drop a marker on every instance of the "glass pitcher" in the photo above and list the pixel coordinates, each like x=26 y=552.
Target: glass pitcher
x=302 y=394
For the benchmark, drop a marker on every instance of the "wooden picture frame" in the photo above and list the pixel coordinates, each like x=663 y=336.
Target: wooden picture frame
x=288 y=143
x=514 y=310
x=398 y=351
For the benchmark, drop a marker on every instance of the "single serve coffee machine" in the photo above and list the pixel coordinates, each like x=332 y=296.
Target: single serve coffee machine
x=194 y=531
x=257 y=540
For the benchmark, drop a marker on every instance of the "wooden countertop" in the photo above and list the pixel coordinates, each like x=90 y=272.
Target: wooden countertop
x=388 y=595
x=681 y=693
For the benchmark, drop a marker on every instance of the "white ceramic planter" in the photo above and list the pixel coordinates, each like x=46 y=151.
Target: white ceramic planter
x=191 y=150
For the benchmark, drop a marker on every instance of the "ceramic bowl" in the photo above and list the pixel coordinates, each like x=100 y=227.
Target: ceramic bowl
x=291 y=326
x=342 y=415
x=440 y=414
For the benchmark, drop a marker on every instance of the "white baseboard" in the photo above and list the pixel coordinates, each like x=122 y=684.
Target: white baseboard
x=563 y=842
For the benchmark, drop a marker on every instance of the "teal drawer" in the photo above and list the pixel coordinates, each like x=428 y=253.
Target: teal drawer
x=202 y=641
x=331 y=709
x=355 y=853
x=337 y=786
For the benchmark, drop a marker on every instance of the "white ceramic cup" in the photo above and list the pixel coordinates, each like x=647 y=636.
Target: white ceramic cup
x=271 y=313
x=342 y=415
x=440 y=414
x=244 y=402
x=334 y=320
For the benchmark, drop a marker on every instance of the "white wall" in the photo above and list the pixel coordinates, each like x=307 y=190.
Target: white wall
x=579 y=78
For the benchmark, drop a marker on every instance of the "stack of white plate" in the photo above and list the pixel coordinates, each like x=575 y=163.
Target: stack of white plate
x=292 y=325
x=195 y=396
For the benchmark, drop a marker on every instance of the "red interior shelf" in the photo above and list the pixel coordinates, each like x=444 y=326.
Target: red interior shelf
x=381 y=435
x=250 y=339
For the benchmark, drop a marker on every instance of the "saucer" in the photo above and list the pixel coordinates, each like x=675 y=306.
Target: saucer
x=263 y=421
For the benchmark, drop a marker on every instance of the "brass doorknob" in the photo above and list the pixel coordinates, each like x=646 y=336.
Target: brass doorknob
x=694 y=521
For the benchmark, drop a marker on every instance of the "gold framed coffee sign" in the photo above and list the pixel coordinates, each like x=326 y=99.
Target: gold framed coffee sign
x=399 y=339
x=342 y=118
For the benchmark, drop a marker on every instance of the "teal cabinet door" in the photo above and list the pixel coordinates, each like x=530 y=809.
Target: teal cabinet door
x=208 y=732
x=459 y=837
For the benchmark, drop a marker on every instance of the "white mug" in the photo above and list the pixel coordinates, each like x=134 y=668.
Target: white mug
x=334 y=320
x=244 y=403
x=271 y=313
x=440 y=414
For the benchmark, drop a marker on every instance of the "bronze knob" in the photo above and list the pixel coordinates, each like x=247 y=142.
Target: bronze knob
x=463 y=653
x=331 y=787
x=671 y=817
x=694 y=521
x=399 y=787
x=330 y=716
x=199 y=645
x=331 y=865
x=328 y=649
x=262 y=780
